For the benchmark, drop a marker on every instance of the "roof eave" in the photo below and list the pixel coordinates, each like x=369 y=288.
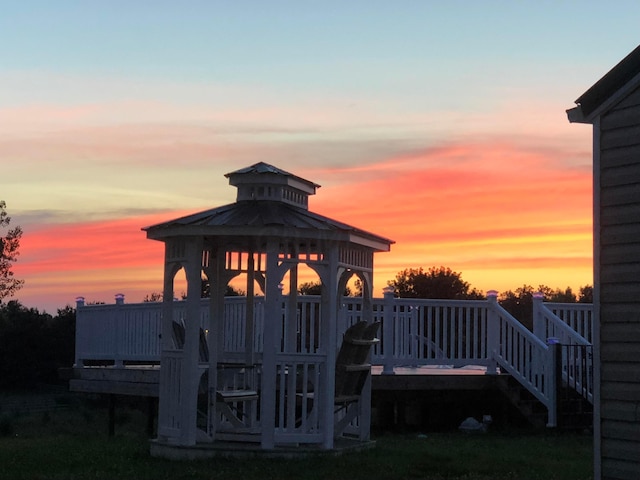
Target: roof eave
x=607 y=91
x=177 y=230
x=379 y=245
x=575 y=115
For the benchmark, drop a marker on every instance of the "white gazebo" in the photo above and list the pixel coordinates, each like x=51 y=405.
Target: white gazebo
x=263 y=374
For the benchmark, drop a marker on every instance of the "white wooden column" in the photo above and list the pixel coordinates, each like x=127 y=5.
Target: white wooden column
x=272 y=314
x=249 y=329
x=217 y=288
x=328 y=322
x=167 y=418
x=190 y=371
x=292 y=311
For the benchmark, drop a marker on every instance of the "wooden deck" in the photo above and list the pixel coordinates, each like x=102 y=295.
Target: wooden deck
x=142 y=380
x=431 y=378
x=414 y=397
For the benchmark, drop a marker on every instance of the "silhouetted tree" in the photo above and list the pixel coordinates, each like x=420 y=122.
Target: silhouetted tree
x=586 y=294
x=310 y=288
x=59 y=343
x=205 y=292
x=315 y=288
x=9 y=251
x=357 y=285
x=34 y=345
x=153 y=297
x=519 y=303
x=437 y=282
x=561 y=296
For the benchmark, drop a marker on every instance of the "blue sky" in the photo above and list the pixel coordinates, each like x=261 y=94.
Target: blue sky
x=133 y=111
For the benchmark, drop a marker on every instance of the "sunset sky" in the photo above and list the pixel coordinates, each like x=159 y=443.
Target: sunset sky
x=438 y=124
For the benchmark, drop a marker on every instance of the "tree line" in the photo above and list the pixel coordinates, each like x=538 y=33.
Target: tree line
x=34 y=345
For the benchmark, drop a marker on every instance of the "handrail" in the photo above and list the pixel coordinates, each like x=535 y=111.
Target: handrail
x=527 y=358
x=578 y=316
x=577 y=356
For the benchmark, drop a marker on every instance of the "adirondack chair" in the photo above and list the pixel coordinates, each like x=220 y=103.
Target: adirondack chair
x=230 y=401
x=351 y=373
x=352 y=367
x=236 y=400
x=178 y=340
x=352 y=370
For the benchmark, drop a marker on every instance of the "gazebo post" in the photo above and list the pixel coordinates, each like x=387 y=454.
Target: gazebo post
x=328 y=324
x=292 y=309
x=217 y=288
x=164 y=413
x=190 y=370
x=272 y=314
x=250 y=306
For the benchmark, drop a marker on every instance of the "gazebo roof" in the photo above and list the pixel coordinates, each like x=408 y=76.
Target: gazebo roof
x=264 y=216
x=262 y=170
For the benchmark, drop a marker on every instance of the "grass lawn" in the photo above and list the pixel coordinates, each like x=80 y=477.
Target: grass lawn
x=72 y=444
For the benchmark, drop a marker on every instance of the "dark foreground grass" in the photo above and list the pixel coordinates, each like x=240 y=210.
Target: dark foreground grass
x=73 y=445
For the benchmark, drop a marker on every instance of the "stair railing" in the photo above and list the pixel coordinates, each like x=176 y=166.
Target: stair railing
x=523 y=355
x=577 y=352
x=579 y=316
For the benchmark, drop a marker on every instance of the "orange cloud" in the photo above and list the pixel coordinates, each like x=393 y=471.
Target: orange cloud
x=513 y=215
x=91 y=259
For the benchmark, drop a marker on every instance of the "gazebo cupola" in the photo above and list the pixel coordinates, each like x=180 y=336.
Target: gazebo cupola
x=266 y=182
x=261 y=348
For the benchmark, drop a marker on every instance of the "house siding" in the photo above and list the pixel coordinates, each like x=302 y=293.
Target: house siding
x=619 y=283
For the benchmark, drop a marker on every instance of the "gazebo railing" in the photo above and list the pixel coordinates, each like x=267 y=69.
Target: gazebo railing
x=298 y=381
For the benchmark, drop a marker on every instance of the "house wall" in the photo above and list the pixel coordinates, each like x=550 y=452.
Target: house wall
x=617 y=223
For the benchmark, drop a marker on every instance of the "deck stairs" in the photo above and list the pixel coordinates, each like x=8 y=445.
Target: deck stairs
x=531 y=409
x=574 y=411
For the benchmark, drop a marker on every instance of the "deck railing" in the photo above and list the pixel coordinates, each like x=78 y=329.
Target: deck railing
x=578 y=316
x=415 y=332
x=555 y=323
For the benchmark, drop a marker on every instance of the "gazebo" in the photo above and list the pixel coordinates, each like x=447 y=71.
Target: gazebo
x=263 y=374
